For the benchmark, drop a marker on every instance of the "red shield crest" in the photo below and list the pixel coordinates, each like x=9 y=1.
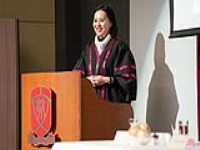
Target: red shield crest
x=41 y=117
x=41 y=98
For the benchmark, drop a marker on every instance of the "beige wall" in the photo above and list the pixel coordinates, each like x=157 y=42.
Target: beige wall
x=36 y=32
x=147 y=19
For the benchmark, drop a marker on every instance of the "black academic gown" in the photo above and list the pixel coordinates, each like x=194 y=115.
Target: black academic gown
x=116 y=61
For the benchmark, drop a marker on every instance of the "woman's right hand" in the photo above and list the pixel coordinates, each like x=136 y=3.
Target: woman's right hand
x=92 y=80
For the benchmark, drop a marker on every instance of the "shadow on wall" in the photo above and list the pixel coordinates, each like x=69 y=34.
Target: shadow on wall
x=162 y=104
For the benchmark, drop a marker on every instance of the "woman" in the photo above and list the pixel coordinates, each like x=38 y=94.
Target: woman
x=107 y=61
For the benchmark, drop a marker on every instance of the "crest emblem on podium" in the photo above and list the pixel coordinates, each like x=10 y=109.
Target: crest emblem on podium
x=41 y=117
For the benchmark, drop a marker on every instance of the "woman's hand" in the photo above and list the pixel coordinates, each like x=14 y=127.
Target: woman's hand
x=98 y=80
x=92 y=80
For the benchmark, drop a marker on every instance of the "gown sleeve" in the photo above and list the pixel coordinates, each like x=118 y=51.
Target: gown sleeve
x=80 y=63
x=125 y=72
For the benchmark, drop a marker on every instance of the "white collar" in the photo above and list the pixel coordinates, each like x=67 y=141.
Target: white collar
x=101 y=44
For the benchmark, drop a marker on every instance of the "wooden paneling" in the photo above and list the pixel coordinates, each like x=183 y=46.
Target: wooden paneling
x=9 y=85
x=37 y=47
x=37 y=33
x=28 y=10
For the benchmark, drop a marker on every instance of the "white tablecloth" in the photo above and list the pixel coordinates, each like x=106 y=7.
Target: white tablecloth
x=105 y=145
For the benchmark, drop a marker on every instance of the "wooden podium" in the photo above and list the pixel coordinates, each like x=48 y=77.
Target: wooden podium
x=79 y=114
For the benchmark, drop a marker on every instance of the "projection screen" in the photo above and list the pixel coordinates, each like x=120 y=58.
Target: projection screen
x=184 y=17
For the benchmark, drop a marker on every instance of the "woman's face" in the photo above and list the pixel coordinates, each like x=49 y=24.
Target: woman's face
x=101 y=24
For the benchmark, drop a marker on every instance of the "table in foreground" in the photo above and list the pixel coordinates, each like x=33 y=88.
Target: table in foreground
x=106 y=145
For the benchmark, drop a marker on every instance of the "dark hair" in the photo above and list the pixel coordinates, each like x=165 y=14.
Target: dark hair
x=111 y=16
